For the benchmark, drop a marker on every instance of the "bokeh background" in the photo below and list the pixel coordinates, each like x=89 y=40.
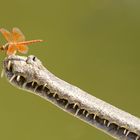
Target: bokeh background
x=93 y=44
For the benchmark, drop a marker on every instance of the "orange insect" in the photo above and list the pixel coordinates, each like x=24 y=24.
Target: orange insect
x=16 y=41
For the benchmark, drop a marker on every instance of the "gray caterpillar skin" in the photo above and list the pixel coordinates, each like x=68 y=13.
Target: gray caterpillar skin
x=29 y=74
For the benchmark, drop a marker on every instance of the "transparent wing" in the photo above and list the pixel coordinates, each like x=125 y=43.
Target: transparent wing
x=11 y=49
x=22 y=48
x=17 y=35
x=6 y=34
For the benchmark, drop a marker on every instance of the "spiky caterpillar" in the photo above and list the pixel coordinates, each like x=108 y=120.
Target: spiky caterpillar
x=29 y=74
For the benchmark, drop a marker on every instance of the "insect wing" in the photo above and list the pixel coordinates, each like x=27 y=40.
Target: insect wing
x=11 y=49
x=22 y=48
x=17 y=35
x=6 y=34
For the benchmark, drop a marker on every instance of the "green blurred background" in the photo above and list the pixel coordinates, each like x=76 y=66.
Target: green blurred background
x=93 y=44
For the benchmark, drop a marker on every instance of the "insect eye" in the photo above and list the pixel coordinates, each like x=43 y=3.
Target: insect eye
x=31 y=59
x=5 y=47
x=34 y=58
